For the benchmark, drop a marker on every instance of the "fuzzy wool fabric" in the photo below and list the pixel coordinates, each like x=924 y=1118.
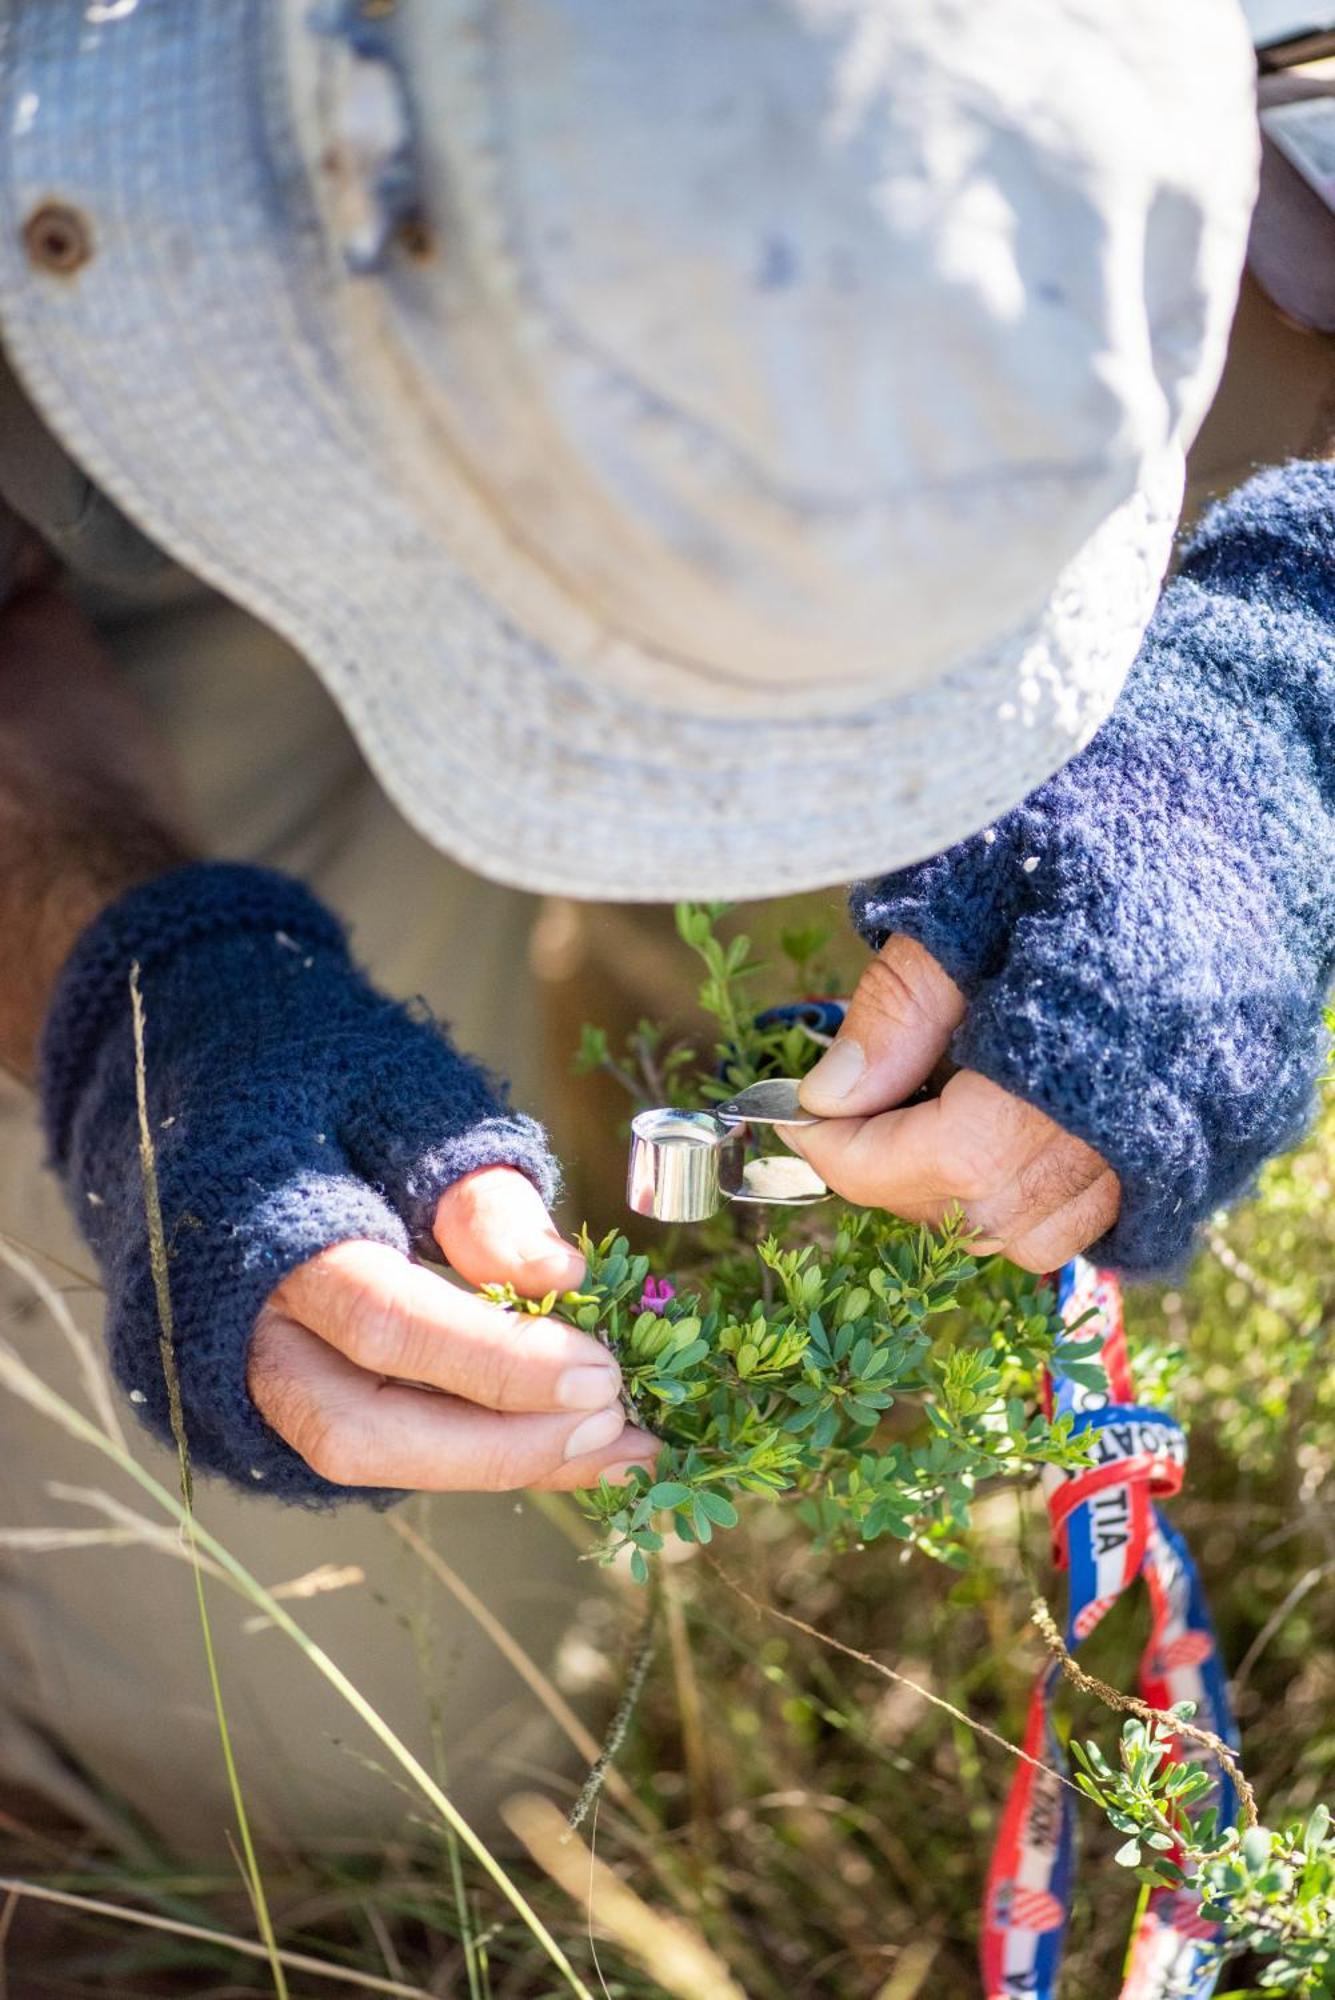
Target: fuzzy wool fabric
x=1146 y=943
x=292 y=1107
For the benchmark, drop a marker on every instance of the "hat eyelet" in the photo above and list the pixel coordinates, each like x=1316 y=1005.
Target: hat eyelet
x=58 y=238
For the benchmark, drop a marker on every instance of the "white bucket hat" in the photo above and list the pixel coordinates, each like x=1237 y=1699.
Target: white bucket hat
x=705 y=449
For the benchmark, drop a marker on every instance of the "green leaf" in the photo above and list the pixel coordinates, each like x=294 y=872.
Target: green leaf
x=1128 y=1856
x=720 y=1511
x=668 y=1493
x=825 y=1429
x=861 y=1410
x=801 y=943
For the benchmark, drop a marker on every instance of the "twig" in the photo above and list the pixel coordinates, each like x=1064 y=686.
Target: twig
x=622 y=1076
x=620 y=1723
x=653 y=1092
x=970 y=1722
x=1292 y=1599
x=1131 y=1704
x=94 y=1378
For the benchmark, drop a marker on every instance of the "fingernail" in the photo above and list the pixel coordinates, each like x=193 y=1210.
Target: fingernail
x=595 y=1432
x=560 y=1259
x=836 y=1075
x=587 y=1388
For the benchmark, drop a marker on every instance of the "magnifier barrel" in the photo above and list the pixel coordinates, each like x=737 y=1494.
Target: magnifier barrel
x=683 y=1164
x=674 y=1164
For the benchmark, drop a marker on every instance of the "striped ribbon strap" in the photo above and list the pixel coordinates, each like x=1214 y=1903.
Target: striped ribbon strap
x=1107 y=1531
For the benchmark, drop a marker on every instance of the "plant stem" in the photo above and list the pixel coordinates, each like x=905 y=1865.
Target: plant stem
x=625 y=1709
x=1131 y=1704
x=26 y=1383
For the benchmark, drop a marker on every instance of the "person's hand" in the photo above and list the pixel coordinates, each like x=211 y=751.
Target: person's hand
x=308 y=1134
x=346 y=1342
x=1031 y=1190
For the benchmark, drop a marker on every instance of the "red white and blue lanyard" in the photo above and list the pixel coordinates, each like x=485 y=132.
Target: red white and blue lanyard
x=1107 y=1531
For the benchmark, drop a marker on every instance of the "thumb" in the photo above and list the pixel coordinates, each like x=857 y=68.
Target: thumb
x=493 y=1225
x=897 y=1028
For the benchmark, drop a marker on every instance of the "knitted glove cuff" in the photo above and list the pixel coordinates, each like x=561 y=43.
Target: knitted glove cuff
x=147 y=926
x=1150 y=963
x=509 y=1139
x=958 y=906
x=1273 y=540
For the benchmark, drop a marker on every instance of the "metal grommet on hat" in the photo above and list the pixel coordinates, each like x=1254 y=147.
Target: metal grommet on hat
x=58 y=238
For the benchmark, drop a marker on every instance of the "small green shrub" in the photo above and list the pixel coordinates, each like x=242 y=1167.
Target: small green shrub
x=1272 y=1891
x=871 y=1372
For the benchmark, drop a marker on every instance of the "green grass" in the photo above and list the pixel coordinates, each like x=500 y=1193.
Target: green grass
x=820 y=1829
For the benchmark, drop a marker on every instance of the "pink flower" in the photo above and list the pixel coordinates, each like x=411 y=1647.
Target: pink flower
x=657 y=1292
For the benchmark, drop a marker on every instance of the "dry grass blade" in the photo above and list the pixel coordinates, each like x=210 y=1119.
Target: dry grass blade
x=128 y=1527
x=960 y=1715
x=157 y=1250
x=317 y=1582
x=84 y=1281
x=26 y=1383
x=909 y=1978
x=90 y=1367
x=678 y=1958
x=53 y=1541
x=294 y=1961
x=6 y=1923
x=532 y=1675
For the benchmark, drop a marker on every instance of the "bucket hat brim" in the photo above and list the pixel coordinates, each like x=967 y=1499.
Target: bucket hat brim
x=191 y=361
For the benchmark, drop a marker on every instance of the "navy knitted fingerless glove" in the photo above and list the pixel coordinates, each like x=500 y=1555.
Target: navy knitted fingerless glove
x=291 y=1106
x=1146 y=943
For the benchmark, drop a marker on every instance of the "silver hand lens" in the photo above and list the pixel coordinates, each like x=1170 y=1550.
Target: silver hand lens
x=684 y=1163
